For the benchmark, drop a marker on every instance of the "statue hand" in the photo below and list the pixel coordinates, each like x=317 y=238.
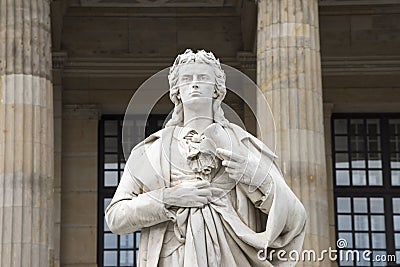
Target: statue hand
x=188 y=194
x=243 y=169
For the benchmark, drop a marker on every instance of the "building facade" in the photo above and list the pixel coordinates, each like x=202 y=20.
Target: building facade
x=330 y=70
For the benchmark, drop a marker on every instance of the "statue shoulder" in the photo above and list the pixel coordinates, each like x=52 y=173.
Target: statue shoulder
x=151 y=139
x=244 y=135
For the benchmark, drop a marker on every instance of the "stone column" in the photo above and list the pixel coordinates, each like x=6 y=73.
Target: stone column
x=289 y=74
x=26 y=134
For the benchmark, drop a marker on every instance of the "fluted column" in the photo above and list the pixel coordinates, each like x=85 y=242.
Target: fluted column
x=26 y=134
x=289 y=74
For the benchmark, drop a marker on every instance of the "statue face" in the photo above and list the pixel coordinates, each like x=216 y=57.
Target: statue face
x=196 y=83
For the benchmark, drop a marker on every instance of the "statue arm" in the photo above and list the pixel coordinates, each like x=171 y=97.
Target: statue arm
x=131 y=209
x=286 y=214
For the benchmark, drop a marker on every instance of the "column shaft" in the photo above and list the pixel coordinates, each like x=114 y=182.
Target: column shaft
x=26 y=134
x=289 y=74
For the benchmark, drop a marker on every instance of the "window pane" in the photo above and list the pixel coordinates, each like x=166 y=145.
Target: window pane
x=137 y=239
x=105 y=225
x=374 y=143
x=348 y=237
x=341 y=143
x=126 y=241
x=362 y=240
x=395 y=177
x=359 y=178
x=373 y=127
x=361 y=222
x=394 y=126
x=396 y=205
x=342 y=160
x=344 y=222
x=360 y=204
x=358 y=160
x=110 y=258
x=111 y=161
x=110 y=178
x=341 y=126
x=376 y=205
x=342 y=178
x=111 y=127
x=379 y=255
x=346 y=261
x=357 y=143
x=374 y=160
x=375 y=178
x=395 y=143
x=397 y=240
x=110 y=241
x=122 y=165
x=378 y=240
x=357 y=127
x=110 y=144
x=362 y=261
x=126 y=258
x=343 y=204
x=396 y=222
x=377 y=222
x=107 y=202
x=395 y=160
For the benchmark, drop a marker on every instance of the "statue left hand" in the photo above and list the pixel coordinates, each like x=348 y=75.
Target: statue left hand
x=242 y=169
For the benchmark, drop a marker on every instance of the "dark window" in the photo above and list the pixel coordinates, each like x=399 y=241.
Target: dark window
x=366 y=170
x=116 y=250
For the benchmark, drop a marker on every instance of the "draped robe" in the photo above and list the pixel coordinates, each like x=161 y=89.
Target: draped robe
x=229 y=231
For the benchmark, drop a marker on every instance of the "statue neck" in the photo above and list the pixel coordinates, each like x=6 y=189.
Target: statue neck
x=197 y=119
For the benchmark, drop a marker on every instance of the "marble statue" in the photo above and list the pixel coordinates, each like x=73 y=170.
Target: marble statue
x=203 y=191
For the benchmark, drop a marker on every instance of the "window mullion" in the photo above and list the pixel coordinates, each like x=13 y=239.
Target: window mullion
x=385 y=141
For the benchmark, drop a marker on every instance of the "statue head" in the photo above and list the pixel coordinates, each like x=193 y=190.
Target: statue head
x=202 y=57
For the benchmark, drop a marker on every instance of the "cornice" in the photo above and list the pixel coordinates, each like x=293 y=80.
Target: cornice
x=247 y=60
x=154 y=3
x=340 y=8
x=143 y=67
x=159 y=12
x=118 y=66
x=356 y=2
x=58 y=59
x=376 y=65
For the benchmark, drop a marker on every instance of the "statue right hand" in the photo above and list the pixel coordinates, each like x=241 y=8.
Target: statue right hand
x=188 y=194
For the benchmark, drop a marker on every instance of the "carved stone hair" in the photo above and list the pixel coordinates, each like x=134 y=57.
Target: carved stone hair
x=220 y=88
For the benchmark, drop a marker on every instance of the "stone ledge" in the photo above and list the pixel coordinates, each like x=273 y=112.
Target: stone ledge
x=81 y=112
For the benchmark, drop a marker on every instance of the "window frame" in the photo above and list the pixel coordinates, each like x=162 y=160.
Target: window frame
x=108 y=192
x=386 y=190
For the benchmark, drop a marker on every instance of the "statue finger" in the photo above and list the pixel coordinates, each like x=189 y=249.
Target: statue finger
x=217 y=192
x=231 y=164
x=203 y=192
x=202 y=184
x=229 y=155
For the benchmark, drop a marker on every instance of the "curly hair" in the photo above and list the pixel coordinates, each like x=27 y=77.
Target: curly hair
x=220 y=88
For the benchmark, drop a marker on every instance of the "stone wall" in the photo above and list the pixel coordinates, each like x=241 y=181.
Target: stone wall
x=79 y=185
x=360 y=68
